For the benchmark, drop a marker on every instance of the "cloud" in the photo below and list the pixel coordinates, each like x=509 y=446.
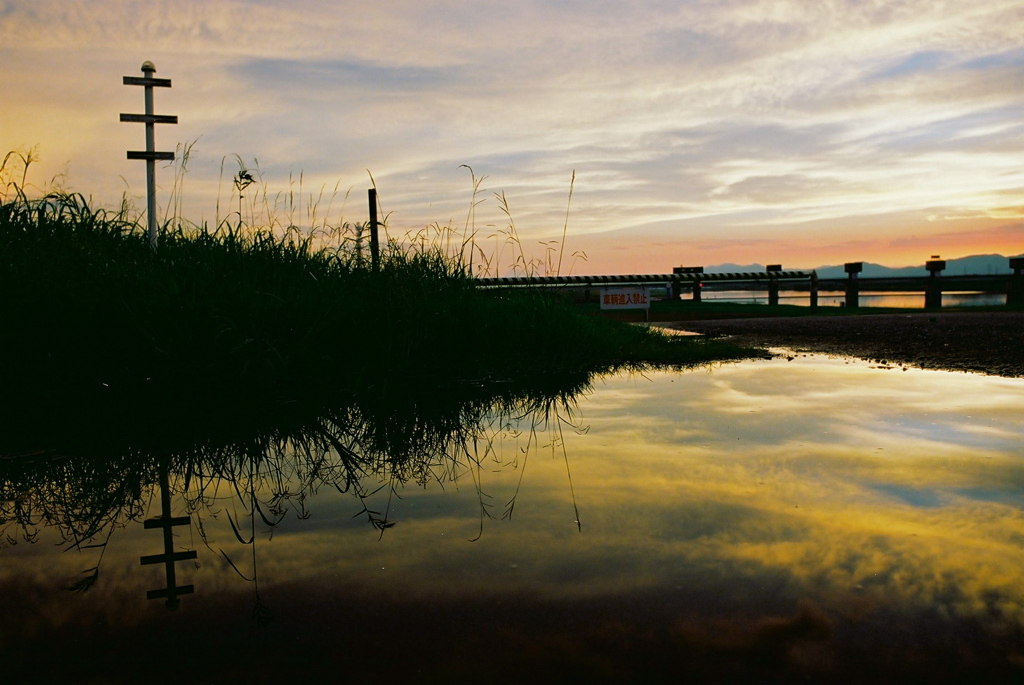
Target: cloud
x=745 y=120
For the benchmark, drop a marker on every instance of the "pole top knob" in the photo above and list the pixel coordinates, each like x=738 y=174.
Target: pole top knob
x=148 y=66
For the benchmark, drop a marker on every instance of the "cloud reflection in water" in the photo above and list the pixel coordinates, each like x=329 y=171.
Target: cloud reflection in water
x=863 y=487
x=770 y=520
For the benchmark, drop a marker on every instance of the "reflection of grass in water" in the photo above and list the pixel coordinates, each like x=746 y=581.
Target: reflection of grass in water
x=368 y=447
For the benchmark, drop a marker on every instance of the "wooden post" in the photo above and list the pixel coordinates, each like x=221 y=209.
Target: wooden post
x=374 y=244
x=933 y=291
x=150 y=154
x=852 y=284
x=773 y=284
x=814 y=290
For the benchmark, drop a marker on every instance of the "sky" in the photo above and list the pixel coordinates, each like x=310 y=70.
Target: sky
x=620 y=137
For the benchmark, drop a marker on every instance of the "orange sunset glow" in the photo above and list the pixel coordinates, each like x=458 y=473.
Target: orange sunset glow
x=758 y=131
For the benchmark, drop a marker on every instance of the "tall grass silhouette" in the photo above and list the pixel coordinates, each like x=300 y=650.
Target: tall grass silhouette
x=238 y=319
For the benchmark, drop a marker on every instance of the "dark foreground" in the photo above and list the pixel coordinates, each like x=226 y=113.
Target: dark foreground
x=980 y=342
x=737 y=527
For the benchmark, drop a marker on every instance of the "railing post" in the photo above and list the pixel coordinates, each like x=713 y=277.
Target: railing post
x=852 y=284
x=933 y=291
x=150 y=154
x=773 y=283
x=1015 y=293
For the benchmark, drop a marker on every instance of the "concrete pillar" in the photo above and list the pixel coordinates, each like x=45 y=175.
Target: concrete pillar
x=773 y=284
x=933 y=291
x=852 y=284
x=696 y=284
x=1015 y=293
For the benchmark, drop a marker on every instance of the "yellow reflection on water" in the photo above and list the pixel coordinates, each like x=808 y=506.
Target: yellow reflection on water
x=826 y=479
x=851 y=481
x=699 y=514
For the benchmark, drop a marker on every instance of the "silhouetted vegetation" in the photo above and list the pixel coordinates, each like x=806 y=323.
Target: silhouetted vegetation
x=235 y=323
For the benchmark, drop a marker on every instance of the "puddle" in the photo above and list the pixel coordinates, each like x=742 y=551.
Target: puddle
x=763 y=520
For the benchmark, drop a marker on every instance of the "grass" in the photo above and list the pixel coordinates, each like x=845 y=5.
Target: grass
x=237 y=323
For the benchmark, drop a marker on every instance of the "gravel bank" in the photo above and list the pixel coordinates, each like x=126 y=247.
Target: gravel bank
x=981 y=342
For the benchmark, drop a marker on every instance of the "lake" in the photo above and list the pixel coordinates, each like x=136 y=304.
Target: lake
x=816 y=519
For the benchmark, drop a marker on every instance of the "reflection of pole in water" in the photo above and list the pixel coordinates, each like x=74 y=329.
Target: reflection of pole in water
x=166 y=522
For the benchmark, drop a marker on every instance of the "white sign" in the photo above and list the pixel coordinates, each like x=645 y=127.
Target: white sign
x=628 y=297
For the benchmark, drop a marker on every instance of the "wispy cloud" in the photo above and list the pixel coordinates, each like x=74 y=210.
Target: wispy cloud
x=725 y=119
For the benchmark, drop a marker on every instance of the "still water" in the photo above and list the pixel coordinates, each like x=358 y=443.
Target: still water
x=898 y=300
x=819 y=519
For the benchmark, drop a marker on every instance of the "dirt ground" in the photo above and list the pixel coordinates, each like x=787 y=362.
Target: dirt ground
x=980 y=342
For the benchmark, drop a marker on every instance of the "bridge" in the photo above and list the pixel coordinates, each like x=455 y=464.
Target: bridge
x=931 y=285
x=691 y=276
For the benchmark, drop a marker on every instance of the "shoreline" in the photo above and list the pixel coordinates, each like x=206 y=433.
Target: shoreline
x=977 y=342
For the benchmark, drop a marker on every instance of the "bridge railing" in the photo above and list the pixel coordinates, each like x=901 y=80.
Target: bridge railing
x=637 y=279
x=932 y=285
x=772 y=278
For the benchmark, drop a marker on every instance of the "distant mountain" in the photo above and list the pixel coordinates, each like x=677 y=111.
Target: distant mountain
x=872 y=270
x=730 y=268
x=974 y=265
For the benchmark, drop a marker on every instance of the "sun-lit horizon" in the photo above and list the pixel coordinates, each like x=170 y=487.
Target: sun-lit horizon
x=689 y=134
